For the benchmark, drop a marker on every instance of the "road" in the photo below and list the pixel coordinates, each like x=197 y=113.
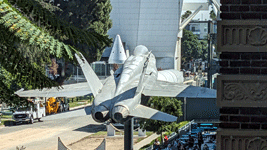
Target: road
x=44 y=135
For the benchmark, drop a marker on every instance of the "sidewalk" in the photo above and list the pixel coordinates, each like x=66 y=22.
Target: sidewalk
x=82 y=106
x=145 y=141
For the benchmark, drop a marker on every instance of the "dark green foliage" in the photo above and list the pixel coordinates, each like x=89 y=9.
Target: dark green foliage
x=58 y=28
x=91 y=15
x=186 y=14
x=204 y=49
x=213 y=15
x=191 y=48
x=8 y=85
x=24 y=71
x=30 y=36
x=168 y=105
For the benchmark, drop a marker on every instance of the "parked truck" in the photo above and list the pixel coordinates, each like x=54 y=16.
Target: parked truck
x=29 y=114
x=56 y=105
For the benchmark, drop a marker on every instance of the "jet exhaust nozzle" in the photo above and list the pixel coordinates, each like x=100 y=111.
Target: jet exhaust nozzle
x=100 y=113
x=120 y=113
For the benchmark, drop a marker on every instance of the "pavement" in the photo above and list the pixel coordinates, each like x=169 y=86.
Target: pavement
x=44 y=135
x=82 y=106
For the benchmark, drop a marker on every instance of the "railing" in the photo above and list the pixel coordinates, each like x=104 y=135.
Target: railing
x=207 y=120
x=174 y=135
x=185 y=127
x=189 y=82
x=150 y=147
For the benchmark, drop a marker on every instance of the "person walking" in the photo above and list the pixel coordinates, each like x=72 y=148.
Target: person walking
x=166 y=140
x=156 y=145
x=200 y=140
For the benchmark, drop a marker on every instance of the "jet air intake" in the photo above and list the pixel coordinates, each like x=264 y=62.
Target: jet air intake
x=100 y=114
x=120 y=113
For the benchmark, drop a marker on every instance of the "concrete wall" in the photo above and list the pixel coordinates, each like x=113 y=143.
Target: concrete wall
x=200 y=109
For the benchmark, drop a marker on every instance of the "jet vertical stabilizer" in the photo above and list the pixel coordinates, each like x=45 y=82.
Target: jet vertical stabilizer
x=141 y=81
x=117 y=54
x=92 y=79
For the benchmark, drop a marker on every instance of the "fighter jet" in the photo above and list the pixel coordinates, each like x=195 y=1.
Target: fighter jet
x=119 y=96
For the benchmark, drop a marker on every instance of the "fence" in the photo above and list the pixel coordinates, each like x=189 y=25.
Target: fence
x=174 y=135
x=185 y=127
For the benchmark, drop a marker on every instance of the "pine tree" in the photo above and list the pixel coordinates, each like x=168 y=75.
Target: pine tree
x=30 y=35
x=91 y=15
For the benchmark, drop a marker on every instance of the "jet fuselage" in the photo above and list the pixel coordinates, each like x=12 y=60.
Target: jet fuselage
x=119 y=95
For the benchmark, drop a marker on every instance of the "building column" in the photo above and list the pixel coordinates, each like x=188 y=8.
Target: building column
x=242 y=85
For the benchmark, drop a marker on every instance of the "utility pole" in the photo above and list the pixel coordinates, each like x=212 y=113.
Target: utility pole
x=210 y=38
x=209 y=55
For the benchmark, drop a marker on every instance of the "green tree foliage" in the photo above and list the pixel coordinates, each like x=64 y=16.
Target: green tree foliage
x=204 y=49
x=30 y=35
x=186 y=14
x=90 y=15
x=8 y=85
x=168 y=105
x=213 y=15
x=191 y=47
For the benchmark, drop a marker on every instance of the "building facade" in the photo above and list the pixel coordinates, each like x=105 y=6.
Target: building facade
x=242 y=87
x=153 y=23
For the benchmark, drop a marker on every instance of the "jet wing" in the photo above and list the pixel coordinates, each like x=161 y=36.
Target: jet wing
x=169 y=89
x=198 y=92
x=150 y=113
x=69 y=90
x=69 y=114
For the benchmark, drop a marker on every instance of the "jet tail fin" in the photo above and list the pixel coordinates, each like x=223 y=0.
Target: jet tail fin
x=92 y=79
x=150 y=113
x=141 y=80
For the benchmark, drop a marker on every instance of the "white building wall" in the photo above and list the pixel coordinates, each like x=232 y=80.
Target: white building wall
x=201 y=29
x=153 y=23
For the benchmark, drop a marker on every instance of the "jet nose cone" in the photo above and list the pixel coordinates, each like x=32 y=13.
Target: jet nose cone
x=100 y=113
x=120 y=113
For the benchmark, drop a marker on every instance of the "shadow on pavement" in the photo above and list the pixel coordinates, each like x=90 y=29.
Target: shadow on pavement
x=92 y=128
x=9 y=123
